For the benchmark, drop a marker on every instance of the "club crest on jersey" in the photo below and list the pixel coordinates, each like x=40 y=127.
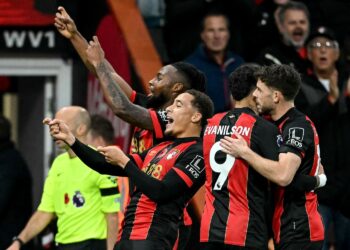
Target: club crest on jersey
x=78 y=199
x=172 y=153
x=296 y=136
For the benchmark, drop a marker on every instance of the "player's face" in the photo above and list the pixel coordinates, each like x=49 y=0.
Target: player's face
x=295 y=28
x=264 y=98
x=180 y=115
x=160 y=86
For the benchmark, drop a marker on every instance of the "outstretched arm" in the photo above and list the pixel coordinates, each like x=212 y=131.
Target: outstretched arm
x=114 y=94
x=67 y=28
x=96 y=161
x=157 y=190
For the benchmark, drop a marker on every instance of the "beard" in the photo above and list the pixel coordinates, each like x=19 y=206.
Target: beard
x=156 y=102
x=264 y=110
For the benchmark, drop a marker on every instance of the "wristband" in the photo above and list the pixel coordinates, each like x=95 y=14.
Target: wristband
x=322 y=180
x=16 y=238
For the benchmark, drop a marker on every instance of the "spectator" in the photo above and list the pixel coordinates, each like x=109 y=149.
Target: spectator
x=322 y=100
x=16 y=188
x=81 y=199
x=293 y=24
x=266 y=31
x=213 y=58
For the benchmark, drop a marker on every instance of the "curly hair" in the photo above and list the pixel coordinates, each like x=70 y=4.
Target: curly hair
x=283 y=77
x=242 y=81
x=190 y=76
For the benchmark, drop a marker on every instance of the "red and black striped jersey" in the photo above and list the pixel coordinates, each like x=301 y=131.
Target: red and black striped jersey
x=296 y=217
x=143 y=139
x=236 y=195
x=152 y=220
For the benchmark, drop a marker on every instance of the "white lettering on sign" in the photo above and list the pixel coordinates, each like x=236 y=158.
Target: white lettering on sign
x=18 y=39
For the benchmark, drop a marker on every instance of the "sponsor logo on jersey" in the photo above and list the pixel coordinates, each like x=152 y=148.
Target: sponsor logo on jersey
x=226 y=130
x=295 y=137
x=194 y=167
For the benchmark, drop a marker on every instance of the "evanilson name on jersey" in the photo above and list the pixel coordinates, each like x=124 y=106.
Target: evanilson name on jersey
x=227 y=130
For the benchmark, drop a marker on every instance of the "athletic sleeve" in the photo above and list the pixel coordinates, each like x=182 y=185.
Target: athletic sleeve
x=188 y=171
x=191 y=166
x=139 y=99
x=95 y=160
x=297 y=137
x=267 y=138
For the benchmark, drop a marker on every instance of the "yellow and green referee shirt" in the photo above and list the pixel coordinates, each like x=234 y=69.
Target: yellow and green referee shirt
x=80 y=197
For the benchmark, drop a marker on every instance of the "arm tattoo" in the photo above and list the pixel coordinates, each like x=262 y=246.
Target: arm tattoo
x=119 y=103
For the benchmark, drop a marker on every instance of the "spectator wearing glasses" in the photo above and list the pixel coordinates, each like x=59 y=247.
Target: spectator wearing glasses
x=322 y=99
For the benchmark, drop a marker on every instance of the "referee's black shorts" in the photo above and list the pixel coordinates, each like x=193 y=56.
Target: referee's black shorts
x=93 y=244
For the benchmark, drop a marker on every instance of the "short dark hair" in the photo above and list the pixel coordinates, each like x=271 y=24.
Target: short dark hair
x=203 y=103
x=291 y=5
x=5 y=129
x=101 y=126
x=283 y=77
x=190 y=76
x=215 y=13
x=242 y=81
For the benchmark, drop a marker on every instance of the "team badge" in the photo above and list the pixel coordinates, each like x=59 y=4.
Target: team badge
x=172 y=153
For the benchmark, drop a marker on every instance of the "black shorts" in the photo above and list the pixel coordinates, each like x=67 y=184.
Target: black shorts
x=184 y=237
x=140 y=245
x=314 y=245
x=83 y=245
x=221 y=246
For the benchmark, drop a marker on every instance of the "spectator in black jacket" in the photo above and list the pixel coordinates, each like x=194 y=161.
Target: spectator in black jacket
x=15 y=186
x=292 y=21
